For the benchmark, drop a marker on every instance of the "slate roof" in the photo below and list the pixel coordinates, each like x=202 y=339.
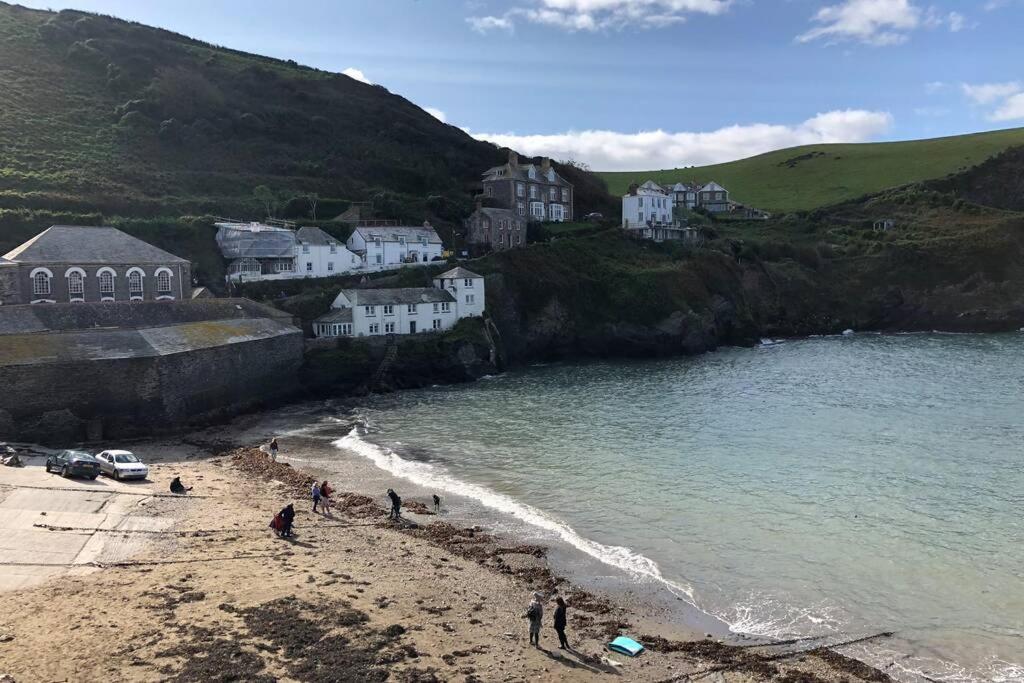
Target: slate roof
x=315 y=237
x=336 y=315
x=239 y=241
x=392 y=233
x=75 y=244
x=400 y=296
x=457 y=273
x=522 y=172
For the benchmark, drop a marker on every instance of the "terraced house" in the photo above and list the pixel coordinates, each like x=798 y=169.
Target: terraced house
x=72 y=264
x=534 y=192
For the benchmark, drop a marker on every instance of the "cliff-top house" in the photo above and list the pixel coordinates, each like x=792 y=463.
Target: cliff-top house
x=71 y=263
x=489 y=229
x=531 y=191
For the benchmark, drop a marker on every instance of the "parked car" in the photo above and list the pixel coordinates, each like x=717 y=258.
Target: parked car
x=594 y=217
x=73 y=464
x=122 y=465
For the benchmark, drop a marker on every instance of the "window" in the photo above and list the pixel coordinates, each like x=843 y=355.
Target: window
x=330 y=266
x=533 y=191
x=411 y=309
x=565 y=194
x=553 y=194
x=556 y=212
x=389 y=310
x=520 y=189
x=641 y=219
x=376 y=241
x=346 y=328
x=719 y=195
x=380 y=259
x=305 y=248
x=334 y=248
x=488 y=191
x=282 y=266
x=41 y=283
x=135 y=283
x=501 y=240
x=470 y=298
x=375 y=328
x=107 y=283
x=76 y=284
x=537 y=210
x=163 y=282
x=468 y=282
x=520 y=240
x=437 y=308
x=437 y=324
x=309 y=266
x=446 y=307
x=641 y=201
x=401 y=241
x=370 y=311
x=521 y=208
x=423 y=241
x=389 y=328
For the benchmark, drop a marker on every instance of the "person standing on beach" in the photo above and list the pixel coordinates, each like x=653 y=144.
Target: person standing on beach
x=437 y=503
x=535 y=613
x=325 y=495
x=273 y=449
x=563 y=644
x=317 y=493
x=396 y=505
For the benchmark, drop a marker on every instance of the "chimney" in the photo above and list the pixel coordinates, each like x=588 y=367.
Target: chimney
x=513 y=159
x=633 y=187
x=545 y=165
x=426 y=224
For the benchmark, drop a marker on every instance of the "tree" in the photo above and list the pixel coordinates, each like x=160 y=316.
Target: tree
x=270 y=200
x=312 y=198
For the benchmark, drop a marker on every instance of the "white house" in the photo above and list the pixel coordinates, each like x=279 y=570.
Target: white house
x=320 y=255
x=456 y=294
x=383 y=247
x=645 y=205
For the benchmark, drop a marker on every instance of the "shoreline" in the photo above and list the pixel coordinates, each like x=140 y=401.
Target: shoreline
x=212 y=593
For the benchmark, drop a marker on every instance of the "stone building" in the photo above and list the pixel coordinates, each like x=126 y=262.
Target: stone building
x=494 y=230
x=532 y=192
x=76 y=264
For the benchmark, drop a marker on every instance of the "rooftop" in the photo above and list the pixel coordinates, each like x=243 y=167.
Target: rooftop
x=76 y=244
x=404 y=295
x=458 y=273
x=315 y=237
x=392 y=233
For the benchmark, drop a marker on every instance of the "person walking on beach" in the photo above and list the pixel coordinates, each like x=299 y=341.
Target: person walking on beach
x=317 y=493
x=325 y=496
x=437 y=503
x=563 y=644
x=535 y=613
x=287 y=517
x=273 y=449
x=396 y=505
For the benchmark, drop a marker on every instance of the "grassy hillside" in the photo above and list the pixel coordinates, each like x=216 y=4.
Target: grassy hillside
x=804 y=178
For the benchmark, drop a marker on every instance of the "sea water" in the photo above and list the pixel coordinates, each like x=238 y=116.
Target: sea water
x=841 y=485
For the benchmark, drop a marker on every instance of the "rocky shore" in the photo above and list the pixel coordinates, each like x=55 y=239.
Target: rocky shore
x=216 y=596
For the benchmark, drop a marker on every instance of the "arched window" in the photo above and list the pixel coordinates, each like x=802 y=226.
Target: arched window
x=41 y=283
x=76 y=285
x=135 y=283
x=163 y=281
x=106 y=283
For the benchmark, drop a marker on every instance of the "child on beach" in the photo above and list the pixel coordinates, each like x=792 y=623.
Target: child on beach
x=325 y=496
x=317 y=493
x=560 y=620
x=535 y=613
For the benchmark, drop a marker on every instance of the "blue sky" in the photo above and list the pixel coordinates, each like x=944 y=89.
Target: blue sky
x=642 y=84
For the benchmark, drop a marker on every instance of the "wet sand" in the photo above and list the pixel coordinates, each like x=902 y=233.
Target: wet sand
x=212 y=594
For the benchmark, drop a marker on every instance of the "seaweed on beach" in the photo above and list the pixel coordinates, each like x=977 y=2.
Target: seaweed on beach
x=209 y=658
x=851 y=666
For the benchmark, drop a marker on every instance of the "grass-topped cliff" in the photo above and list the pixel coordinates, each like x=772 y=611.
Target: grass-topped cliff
x=809 y=177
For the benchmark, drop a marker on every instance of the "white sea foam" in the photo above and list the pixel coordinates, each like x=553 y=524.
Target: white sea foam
x=431 y=476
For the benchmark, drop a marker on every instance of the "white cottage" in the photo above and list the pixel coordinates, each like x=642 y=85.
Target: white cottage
x=384 y=247
x=456 y=294
x=322 y=255
x=646 y=205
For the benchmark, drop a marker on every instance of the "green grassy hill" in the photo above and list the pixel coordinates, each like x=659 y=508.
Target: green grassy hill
x=804 y=178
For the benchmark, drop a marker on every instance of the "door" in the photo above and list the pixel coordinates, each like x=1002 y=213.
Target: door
x=412 y=327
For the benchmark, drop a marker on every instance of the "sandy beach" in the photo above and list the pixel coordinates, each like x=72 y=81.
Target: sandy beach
x=197 y=587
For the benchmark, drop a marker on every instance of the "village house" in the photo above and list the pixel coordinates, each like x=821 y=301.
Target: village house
x=456 y=294
x=70 y=264
x=382 y=246
x=322 y=255
x=685 y=195
x=714 y=198
x=532 y=192
x=490 y=229
x=256 y=251
x=646 y=205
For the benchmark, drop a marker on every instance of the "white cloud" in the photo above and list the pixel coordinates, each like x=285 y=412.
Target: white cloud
x=612 y=151
x=596 y=15
x=987 y=93
x=358 y=75
x=437 y=114
x=1012 y=109
x=934 y=86
x=878 y=22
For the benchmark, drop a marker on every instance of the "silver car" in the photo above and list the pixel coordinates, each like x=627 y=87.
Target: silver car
x=122 y=465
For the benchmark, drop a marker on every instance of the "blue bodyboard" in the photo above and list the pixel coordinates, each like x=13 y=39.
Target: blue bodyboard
x=626 y=646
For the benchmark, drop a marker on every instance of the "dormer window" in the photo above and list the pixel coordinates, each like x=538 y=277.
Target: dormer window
x=305 y=248
x=532 y=173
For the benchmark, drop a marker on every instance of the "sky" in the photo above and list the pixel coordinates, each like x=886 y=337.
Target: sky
x=646 y=84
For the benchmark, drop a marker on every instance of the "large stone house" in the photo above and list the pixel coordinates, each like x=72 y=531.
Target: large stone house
x=456 y=294
x=490 y=229
x=532 y=192
x=710 y=196
x=381 y=247
x=71 y=264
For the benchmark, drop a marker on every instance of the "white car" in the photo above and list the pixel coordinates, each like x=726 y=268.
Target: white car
x=122 y=465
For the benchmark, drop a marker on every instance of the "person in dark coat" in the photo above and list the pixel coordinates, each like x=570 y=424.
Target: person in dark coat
x=437 y=503
x=396 y=505
x=563 y=644
x=287 y=517
x=178 y=487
